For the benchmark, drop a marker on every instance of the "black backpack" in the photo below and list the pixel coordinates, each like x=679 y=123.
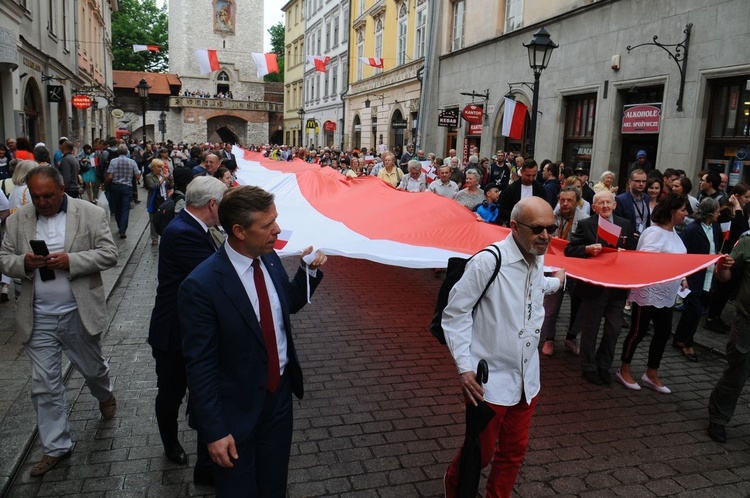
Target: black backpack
x=453 y=274
x=165 y=212
x=102 y=164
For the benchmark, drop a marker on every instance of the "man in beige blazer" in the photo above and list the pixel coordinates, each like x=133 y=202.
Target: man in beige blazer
x=54 y=288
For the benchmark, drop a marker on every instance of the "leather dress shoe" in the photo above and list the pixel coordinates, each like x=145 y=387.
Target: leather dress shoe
x=592 y=377
x=717 y=432
x=203 y=476
x=176 y=453
x=692 y=357
x=605 y=376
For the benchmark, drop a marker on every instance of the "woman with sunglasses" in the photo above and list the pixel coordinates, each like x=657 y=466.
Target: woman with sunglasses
x=654 y=303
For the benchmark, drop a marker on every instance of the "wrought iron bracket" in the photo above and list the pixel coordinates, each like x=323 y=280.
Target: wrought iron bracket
x=680 y=57
x=476 y=95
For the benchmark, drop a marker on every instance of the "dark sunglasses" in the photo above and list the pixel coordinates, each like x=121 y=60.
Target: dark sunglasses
x=536 y=230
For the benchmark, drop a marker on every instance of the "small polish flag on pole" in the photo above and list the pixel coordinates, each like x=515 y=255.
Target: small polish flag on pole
x=282 y=239
x=608 y=231
x=142 y=48
x=514 y=116
x=208 y=61
x=266 y=63
x=319 y=62
x=725 y=227
x=373 y=61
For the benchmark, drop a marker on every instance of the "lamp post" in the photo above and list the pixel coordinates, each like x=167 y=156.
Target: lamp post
x=540 y=50
x=163 y=124
x=143 y=88
x=301 y=114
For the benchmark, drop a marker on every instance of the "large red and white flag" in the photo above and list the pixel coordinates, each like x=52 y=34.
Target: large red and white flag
x=319 y=62
x=266 y=63
x=208 y=60
x=514 y=117
x=608 y=231
x=308 y=199
x=373 y=61
x=142 y=48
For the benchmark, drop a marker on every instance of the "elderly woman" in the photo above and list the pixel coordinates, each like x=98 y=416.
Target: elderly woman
x=654 y=303
x=416 y=180
x=605 y=183
x=703 y=236
x=19 y=196
x=389 y=173
x=471 y=195
x=157 y=184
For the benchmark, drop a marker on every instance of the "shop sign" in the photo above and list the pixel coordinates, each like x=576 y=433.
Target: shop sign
x=311 y=124
x=82 y=102
x=398 y=124
x=473 y=113
x=641 y=118
x=475 y=129
x=741 y=152
x=55 y=93
x=448 y=118
x=8 y=48
x=329 y=126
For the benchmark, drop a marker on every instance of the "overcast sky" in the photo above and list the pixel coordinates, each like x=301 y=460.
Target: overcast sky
x=272 y=14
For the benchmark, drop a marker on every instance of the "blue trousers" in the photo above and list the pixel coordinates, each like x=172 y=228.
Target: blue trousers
x=119 y=203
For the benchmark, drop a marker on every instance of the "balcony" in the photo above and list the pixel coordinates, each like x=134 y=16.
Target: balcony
x=228 y=104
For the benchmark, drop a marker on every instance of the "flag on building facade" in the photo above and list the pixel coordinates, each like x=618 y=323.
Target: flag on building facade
x=208 y=60
x=319 y=62
x=514 y=117
x=373 y=61
x=266 y=63
x=142 y=48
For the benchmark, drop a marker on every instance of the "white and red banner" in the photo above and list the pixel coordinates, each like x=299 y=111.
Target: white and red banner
x=266 y=63
x=320 y=207
x=143 y=48
x=725 y=228
x=373 y=61
x=514 y=117
x=208 y=60
x=319 y=62
x=608 y=231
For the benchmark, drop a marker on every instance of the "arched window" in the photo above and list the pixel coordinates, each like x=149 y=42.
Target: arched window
x=222 y=83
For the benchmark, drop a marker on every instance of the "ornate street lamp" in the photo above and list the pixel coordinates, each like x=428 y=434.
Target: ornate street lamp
x=301 y=114
x=540 y=50
x=143 y=88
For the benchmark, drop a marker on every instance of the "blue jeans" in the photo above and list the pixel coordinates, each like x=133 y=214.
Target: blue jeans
x=119 y=203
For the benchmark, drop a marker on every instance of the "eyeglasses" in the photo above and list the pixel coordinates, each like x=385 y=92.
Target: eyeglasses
x=536 y=230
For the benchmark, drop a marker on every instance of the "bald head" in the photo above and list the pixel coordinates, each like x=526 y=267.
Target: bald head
x=530 y=215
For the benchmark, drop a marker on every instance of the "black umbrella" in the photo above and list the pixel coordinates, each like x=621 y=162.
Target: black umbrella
x=477 y=418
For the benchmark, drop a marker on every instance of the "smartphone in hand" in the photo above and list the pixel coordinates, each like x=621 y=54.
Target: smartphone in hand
x=39 y=248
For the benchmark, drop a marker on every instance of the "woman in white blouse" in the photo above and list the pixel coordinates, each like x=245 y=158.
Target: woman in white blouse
x=654 y=303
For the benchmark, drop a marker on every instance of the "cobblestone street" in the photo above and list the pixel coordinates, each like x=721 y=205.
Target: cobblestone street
x=382 y=415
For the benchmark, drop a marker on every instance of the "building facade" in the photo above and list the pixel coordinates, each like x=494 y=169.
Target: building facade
x=49 y=52
x=383 y=105
x=609 y=90
x=294 y=44
x=254 y=113
x=326 y=35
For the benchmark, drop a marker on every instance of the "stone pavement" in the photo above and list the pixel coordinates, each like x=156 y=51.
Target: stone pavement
x=383 y=416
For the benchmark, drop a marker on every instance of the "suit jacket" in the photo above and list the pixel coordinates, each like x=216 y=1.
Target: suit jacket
x=90 y=248
x=512 y=194
x=696 y=242
x=626 y=209
x=586 y=234
x=227 y=155
x=223 y=344
x=184 y=245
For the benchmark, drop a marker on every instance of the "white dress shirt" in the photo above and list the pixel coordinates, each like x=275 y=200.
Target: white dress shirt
x=504 y=331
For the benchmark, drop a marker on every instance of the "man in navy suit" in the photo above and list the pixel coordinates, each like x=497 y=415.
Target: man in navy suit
x=242 y=367
x=185 y=243
x=633 y=204
x=599 y=302
x=525 y=186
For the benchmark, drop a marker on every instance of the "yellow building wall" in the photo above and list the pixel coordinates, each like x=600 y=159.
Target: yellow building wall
x=294 y=67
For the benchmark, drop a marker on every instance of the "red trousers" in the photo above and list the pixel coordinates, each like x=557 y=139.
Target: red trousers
x=504 y=442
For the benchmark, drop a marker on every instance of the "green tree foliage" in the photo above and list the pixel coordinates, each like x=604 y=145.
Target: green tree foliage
x=140 y=22
x=277 y=47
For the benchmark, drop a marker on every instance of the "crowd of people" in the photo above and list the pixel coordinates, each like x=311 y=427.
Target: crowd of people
x=205 y=95
x=198 y=212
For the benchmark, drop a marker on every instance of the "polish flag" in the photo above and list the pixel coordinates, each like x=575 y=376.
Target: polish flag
x=142 y=48
x=282 y=239
x=373 y=61
x=309 y=199
x=514 y=117
x=319 y=62
x=725 y=227
x=266 y=63
x=208 y=61
x=608 y=232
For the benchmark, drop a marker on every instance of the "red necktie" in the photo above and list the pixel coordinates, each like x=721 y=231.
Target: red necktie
x=266 y=324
